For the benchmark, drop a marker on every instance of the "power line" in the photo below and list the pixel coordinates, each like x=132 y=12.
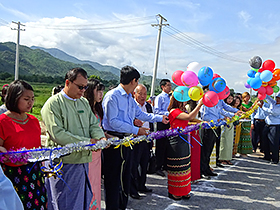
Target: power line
x=108 y=25
x=4 y=22
x=182 y=37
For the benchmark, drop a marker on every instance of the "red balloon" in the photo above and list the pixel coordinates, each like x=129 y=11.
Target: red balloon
x=176 y=77
x=215 y=76
x=260 y=70
x=261 y=96
x=262 y=90
x=268 y=65
x=269 y=90
x=210 y=99
x=224 y=94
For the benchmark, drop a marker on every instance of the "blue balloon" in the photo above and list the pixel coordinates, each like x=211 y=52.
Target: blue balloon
x=255 y=83
x=181 y=93
x=205 y=75
x=266 y=75
x=251 y=73
x=249 y=81
x=217 y=85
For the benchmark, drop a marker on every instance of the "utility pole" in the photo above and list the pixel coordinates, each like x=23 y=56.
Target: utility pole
x=17 y=47
x=157 y=52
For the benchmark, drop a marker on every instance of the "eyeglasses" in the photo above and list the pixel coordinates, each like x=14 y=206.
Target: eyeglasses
x=81 y=87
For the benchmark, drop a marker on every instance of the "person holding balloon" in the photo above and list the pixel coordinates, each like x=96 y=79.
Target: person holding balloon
x=178 y=149
x=227 y=134
x=214 y=111
x=257 y=127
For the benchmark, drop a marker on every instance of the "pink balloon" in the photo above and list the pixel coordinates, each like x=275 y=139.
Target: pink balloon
x=210 y=99
x=262 y=90
x=224 y=94
x=269 y=90
x=261 y=96
x=215 y=75
x=176 y=77
x=189 y=78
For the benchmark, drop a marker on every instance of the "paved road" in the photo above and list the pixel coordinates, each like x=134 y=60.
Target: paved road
x=251 y=183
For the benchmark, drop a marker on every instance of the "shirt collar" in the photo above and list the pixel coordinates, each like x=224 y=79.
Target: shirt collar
x=66 y=96
x=123 y=92
x=140 y=104
x=164 y=93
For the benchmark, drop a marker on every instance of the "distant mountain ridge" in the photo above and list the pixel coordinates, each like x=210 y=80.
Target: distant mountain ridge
x=65 y=57
x=54 y=62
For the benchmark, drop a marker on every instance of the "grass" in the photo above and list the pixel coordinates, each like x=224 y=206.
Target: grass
x=42 y=91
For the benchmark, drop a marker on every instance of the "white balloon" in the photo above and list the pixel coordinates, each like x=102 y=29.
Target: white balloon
x=194 y=66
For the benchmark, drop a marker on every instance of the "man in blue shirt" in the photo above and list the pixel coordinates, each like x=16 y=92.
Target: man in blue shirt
x=257 y=126
x=161 y=104
x=211 y=136
x=271 y=133
x=120 y=110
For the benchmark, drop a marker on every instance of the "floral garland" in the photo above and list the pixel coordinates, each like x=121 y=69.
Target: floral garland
x=49 y=153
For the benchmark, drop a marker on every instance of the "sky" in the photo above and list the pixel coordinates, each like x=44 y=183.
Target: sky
x=223 y=35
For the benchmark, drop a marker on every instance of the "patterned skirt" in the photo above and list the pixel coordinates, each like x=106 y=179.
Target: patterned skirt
x=28 y=182
x=245 y=143
x=178 y=166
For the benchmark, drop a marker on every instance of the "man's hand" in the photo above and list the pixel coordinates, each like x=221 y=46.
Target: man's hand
x=165 y=119
x=138 y=123
x=252 y=126
x=143 y=131
x=93 y=141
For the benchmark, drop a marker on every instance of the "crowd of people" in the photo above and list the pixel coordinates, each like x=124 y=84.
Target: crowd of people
x=78 y=112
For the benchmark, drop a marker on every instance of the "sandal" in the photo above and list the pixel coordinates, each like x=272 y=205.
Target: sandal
x=186 y=197
x=229 y=163
x=174 y=197
x=224 y=162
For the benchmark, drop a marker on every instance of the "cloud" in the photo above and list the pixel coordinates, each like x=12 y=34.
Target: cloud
x=244 y=17
x=135 y=45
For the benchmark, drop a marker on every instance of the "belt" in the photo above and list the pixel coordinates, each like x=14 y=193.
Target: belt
x=118 y=134
x=261 y=120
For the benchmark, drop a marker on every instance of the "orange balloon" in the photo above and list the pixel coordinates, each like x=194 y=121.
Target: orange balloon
x=276 y=74
x=272 y=84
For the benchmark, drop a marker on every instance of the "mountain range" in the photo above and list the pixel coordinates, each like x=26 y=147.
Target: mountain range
x=54 y=62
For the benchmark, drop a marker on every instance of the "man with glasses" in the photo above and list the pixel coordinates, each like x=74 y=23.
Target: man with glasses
x=69 y=119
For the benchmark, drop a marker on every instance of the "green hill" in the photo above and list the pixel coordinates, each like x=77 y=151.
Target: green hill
x=55 y=63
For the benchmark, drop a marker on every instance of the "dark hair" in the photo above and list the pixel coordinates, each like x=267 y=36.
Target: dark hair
x=240 y=101
x=232 y=103
x=89 y=95
x=163 y=82
x=4 y=92
x=72 y=74
x=174 y=104
x=192 y=104
x=57 y=89
x=128 y=73
x=205 y=88
x=14 y=92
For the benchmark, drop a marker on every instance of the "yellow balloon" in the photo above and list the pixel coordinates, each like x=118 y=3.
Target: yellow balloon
x=195 y=93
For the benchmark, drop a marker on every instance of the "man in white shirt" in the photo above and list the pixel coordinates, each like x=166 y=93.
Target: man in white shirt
x=141 y=151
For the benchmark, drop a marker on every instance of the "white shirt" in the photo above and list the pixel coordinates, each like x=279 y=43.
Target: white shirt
x=143 y=108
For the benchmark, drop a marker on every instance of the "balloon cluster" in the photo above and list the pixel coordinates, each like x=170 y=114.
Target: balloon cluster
x=188 y=85
x=263 y=77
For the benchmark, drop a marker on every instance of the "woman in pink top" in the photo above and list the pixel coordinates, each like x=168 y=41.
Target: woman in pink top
x=94 y=94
